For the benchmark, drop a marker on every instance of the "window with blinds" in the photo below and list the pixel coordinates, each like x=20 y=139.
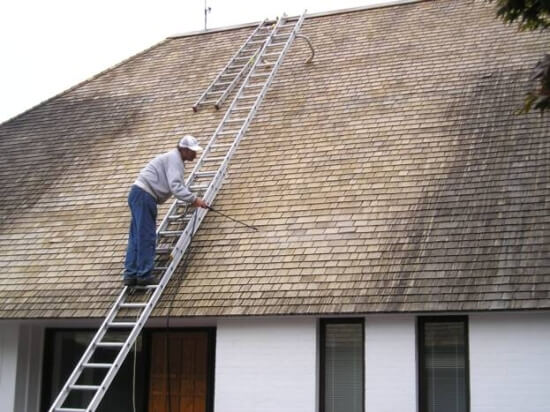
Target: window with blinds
x=443 y=357
x=342 y=366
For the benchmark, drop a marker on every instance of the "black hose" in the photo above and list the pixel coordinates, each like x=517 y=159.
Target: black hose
x=233 y=219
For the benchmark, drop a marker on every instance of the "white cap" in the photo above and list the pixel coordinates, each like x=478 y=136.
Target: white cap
x=190 y=143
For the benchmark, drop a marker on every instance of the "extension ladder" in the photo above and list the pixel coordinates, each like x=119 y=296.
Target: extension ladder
x=178 y=226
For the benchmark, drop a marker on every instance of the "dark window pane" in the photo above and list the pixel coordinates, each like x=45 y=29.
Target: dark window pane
x=343 y=367
x=66 y=348
x=444 y=366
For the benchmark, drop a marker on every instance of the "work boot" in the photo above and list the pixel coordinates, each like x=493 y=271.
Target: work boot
x=145 y=281
x=129 y=281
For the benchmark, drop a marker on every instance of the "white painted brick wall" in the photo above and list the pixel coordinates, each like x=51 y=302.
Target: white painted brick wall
x=390 y=357
x=266 y=365
x=510 y=362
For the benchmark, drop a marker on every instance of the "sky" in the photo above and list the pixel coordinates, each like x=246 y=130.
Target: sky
x=48 y=46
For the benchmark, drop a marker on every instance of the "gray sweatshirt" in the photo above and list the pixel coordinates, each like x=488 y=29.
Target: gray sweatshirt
x=163 y=176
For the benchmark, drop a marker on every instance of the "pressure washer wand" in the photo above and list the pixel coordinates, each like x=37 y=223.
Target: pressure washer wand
x=234 y=220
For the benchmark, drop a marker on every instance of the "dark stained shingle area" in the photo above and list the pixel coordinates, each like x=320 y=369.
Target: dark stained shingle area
x=390 y=175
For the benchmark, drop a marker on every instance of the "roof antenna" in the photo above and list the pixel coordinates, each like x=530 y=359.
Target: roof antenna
x=206 y=11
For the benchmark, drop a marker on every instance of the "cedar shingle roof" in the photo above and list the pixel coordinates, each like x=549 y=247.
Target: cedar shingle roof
x=390 y=175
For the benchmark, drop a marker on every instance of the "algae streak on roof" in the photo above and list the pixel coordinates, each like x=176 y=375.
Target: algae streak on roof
x=390 y=175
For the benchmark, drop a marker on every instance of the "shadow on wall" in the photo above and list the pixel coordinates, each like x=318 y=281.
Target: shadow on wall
x=481 y=211
x=38 y=147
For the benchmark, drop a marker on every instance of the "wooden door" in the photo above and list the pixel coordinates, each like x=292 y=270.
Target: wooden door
x=185 y=357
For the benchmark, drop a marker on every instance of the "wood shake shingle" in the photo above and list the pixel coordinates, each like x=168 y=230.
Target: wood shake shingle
x=390 y=175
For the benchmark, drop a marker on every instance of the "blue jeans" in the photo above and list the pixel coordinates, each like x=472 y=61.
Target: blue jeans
x=140 y=255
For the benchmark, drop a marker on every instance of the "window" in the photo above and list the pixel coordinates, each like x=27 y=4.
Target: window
x=342 y=366
x=64 y=349
x=185 y=355
x=443 y=358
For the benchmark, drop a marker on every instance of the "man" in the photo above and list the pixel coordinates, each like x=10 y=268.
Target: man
x=161 y=178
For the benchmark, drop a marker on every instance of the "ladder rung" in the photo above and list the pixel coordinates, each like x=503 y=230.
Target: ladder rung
x=242 y=58
x=158 y=269
x=206 y=174
x=277 y=44
x=122 y=324
x=238 y=108
x=259 y=75
x=221 y=84
x=171 y=233
x=214 y=159
x=98 y=365
x=85 y=387
x=163 y=250
x=198 y=187
x=137 y=305
x=250 y=54
x=146 y=287
x=264 y=65
x=272 y=54
x=69 y=410
x=247 y=97
x=110 y=344
x=178 y=217
x=251 y=86
x=184 y=203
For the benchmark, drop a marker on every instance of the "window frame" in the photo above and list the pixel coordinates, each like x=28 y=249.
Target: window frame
x=322 y=369
x=422 y=379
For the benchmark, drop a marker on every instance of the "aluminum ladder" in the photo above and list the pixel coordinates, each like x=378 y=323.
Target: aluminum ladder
x=178 y=226
x=235 y=69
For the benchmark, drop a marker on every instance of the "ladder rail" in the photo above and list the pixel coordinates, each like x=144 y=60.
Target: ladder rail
x=229 y=111
x=117 y=363
x=214 y=136
x=179 y=249
x=62 y=396
x=217 y=180
x=203 y=95
x=232 y=85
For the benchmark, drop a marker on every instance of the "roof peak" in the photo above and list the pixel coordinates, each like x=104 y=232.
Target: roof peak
x=380 y=5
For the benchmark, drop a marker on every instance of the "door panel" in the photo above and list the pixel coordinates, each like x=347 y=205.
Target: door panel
x=185 y=356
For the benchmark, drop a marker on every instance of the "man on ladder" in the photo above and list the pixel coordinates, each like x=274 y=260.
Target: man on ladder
x=162 y=177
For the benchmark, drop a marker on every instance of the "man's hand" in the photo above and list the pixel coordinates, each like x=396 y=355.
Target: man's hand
x=200 y=203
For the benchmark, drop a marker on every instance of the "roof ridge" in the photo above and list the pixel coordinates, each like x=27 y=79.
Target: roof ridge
x=380 y=5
